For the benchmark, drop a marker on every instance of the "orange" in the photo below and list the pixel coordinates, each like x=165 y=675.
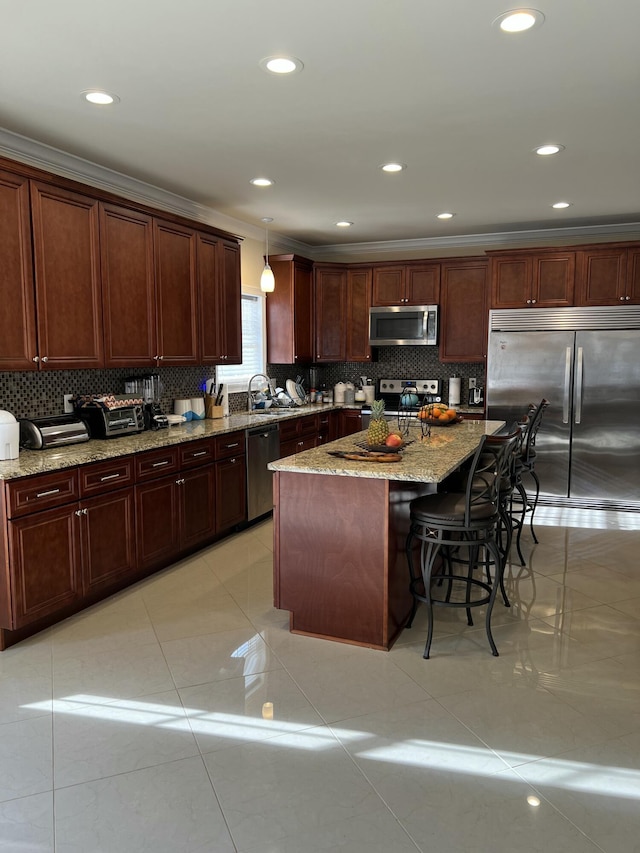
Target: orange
x=451 y=413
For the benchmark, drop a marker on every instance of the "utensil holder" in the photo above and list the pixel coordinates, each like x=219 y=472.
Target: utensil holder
x=211 y=410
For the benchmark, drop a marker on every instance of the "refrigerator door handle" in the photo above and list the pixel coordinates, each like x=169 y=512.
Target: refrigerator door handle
x=579 y=370
x=567 y=385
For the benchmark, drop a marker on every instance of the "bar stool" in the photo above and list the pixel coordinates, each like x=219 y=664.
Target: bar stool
x=453 y=529
x=525 y=464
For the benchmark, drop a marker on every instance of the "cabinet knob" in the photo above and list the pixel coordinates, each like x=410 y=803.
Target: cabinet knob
x=160 y=358
x=622 y=299
x=78 y=512
x=528 y=302
x=85 y=512
x=627 y=298
x=36 y=358
x=533 y=301
x=45 y=358
x=233 y=461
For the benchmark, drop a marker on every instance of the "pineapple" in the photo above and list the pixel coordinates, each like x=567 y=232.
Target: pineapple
x=378 y=427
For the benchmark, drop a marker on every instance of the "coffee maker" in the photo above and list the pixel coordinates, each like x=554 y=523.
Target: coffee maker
x=150 y=389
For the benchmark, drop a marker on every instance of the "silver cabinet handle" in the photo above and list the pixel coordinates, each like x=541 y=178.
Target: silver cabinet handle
x=160 y=464
x=627 y=298
x=180 y=482
x=36 y=358
x=199 y=453
x=567 y=385
x=229 y=446
x=528 y=302
x=45 y=358
x=78 y=512
x=622 y=299
x=109 y=477
x=233 y=461
x=46 y=494
x=579 y=372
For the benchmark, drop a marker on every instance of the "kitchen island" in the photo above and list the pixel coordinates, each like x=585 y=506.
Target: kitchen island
x=340 y=528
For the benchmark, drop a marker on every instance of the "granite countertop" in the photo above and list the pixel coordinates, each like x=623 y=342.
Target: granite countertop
x=428 y=461
x=98 y=450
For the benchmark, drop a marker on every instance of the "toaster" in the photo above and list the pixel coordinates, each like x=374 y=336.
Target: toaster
x=55 y=431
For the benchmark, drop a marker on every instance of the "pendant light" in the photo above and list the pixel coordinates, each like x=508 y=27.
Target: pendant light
x=267 y=280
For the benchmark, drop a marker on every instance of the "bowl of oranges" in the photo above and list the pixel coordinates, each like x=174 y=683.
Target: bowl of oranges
x=438 y=414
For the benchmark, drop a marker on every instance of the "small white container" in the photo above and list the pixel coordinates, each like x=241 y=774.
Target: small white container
x=197 y=408
x=9 y=436
x=183 y=407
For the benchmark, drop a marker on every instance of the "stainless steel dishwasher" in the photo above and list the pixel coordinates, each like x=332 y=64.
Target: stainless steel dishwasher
x=263 y=446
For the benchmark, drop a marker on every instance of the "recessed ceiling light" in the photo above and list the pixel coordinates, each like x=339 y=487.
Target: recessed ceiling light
x=446 y=215
x=533 y=801
x=519 y=20
x=95 y=96
x=560 y=205
x=344 y=223
x=546 y=150
x=266 y=219
x=262 y=182
x=281 y=64
x=393 y=167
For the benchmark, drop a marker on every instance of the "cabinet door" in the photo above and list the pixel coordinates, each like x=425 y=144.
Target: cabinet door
x=358 y=304
x=553 y=280
x=45 y=560
x=126 y=249
x=157 y=522
x=231 y=492
x=197 y=506
x=211 y=330
x=108 y=540
x=327 y=427
x=67 y=270
x=231 y=303
x=464 y=314
x=18 y=346
x=422 y=284
x=349 y=422
x=632 y=288
x=330 y=303
x=175 y=261
x=510 y=282
x=602 y=276
x=388 y=286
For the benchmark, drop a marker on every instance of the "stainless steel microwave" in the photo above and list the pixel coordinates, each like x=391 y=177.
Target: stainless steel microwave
x=403 y=325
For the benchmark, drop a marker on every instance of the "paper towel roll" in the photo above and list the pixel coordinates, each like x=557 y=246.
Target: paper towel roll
x=454 y=391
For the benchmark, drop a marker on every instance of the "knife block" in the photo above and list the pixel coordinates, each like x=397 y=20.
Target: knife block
x=212 y=411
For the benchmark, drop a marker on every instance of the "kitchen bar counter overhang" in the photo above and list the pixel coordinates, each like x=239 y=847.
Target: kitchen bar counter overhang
x=340 y=529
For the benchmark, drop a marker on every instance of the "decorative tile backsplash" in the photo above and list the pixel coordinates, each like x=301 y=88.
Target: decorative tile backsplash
x=39 y=394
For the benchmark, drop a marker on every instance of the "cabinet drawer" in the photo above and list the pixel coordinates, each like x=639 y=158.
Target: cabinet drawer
x=196 y=453
x=229 y=445
x=106 y=476
x=306 y=425
x=42 y=492
x=297 y=445
x=155 y=463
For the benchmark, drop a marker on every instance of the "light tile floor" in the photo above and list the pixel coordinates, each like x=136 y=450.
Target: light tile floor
x=139 y=725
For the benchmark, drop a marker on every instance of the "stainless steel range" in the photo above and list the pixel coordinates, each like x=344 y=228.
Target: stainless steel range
x=406 y=395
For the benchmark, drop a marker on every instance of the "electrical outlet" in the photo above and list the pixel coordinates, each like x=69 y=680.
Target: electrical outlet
x=68 y=406
x=472 y=382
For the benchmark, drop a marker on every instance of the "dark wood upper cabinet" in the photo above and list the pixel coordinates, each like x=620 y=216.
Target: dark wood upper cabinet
x=358 y=304
x=532 y=279
x=18 y=345
x=406 y=284
x=464 y=310
x=290 y=315
x=330 y=310
x=609 y=276
x=176 y=283
x=67 y=275
x=220 y=329
x=126 y=249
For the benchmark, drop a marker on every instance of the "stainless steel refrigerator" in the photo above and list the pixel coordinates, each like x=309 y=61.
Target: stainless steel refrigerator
x=586 y=362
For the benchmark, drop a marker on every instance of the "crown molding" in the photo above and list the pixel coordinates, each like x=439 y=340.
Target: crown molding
x=50 y=159
x=482 y=241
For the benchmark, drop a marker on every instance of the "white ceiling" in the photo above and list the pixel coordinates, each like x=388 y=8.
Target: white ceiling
x=430 y=83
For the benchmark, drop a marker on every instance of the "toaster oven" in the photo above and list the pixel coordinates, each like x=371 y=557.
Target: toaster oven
x=109 y=423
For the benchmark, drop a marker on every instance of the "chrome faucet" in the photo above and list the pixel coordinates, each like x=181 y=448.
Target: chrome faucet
x=250 y=398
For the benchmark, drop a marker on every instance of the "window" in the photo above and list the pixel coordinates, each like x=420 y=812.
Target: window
x=236 y=376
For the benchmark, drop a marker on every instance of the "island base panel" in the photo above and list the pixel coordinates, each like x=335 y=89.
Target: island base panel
x=339 y=561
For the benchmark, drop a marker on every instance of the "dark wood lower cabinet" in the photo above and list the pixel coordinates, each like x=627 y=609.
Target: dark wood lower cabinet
x=157 y=522
x=108 y=536
x=231 y=492
x=349 y=422
x=197 y=499
x=45 y=564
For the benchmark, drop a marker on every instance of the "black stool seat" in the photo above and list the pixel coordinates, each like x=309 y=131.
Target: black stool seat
x=456 y=528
